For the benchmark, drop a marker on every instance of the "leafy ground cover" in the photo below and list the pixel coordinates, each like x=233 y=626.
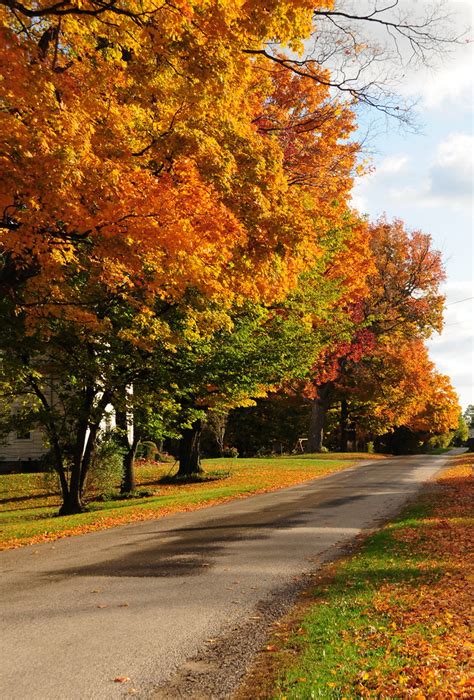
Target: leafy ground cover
x=392 y=621
x=29 y=502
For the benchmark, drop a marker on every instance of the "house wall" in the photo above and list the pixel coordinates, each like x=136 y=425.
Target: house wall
x=21 y=448
x=18 y=450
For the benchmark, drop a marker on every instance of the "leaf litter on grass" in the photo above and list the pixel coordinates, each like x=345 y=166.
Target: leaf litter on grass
x=395 y=620
x=28 y=508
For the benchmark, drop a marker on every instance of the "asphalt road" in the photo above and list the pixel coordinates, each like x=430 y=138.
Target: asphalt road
x=144 y=600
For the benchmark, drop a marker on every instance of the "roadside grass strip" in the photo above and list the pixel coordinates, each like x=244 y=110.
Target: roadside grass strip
x=29 y=502
x=395 y=619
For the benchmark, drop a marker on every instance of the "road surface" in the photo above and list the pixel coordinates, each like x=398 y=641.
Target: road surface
x=145 y=600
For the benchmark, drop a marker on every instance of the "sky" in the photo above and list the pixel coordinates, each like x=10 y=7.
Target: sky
x=426 y=179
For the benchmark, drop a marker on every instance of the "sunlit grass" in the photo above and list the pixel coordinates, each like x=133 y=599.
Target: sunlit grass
x=29 y=502
x=391 y=621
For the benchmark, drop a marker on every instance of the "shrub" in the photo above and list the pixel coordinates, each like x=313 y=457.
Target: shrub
x=230 y=452
x=147 y=450
x=107 y=466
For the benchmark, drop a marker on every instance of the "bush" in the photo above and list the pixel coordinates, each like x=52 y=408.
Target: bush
x=370 y=448
x=107 y=466
x=436 y=442
x=230 y=452
x=215 y=475
x=147 y=450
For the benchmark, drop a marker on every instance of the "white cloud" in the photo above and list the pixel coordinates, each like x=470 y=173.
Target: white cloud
x=451 y=173
x=388 y=168
x=392 y=165
x=453 y=349
x=359 y=201
x=451 y=86
x=450 y=176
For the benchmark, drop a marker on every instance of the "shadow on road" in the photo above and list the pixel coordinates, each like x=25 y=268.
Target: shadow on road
x=190 y=551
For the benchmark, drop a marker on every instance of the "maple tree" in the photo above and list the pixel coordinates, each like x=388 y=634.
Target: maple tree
x=152 y=155
x=136 y=172
x=66 y=383
x=130 y=143
x=402 y=299
x=396 y=385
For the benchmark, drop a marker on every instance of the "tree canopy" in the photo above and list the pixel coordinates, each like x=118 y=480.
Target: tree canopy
x=175 y=212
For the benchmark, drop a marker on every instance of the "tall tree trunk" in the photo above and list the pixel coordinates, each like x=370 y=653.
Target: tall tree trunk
x=128 y=480
x=88 y=455
x=72 y=502
x=189 y=450
x=59 y=468
x=129 y=440
x=343 y=425
x=84 y=450
x=53 y=435
x=319 y=409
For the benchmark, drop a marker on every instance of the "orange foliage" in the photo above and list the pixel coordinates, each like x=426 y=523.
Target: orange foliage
x=405 y=287
x=398 y=385
x=135 y=150
x=393 y=301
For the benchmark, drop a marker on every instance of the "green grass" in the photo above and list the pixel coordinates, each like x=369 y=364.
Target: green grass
x=335 y=655
x=328 y=653
x=29 y=502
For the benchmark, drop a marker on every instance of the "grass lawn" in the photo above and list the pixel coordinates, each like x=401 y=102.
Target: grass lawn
x=392 y=621
x=29 y=502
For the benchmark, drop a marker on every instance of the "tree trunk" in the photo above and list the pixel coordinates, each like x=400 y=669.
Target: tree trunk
x=58 y=462
x=343 y=426
x=128 y=484
x=129 y=441
x=88 y=455
x=319 y=410
x=83 y=451
x=189 y=450
x=72 y=503
x=53 y=435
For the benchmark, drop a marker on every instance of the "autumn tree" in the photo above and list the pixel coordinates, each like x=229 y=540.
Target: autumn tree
x=68 y=380
x=150 y=153
x=139 y=171
x=117 y=115
x=397 y=385
x=258 y=351
x=403 y=299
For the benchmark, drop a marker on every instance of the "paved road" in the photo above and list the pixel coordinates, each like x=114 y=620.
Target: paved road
x=142 y=600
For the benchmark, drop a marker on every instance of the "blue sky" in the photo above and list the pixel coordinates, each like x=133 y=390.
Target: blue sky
x=426 y=179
